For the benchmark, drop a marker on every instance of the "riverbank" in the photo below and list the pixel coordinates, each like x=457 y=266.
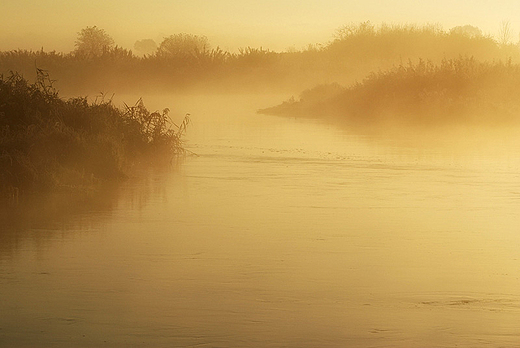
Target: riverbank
x=47 y=142
x=456 y=92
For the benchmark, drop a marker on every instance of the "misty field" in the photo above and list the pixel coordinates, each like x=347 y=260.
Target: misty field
x=188 y=63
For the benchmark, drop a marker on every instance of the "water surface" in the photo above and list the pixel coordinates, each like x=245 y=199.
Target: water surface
x=278 y=233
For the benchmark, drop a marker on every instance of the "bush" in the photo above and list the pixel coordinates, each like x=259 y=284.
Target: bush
x=459 y=90
x=47 y=142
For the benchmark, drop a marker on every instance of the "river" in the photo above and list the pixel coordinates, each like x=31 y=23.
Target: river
x=278 y=232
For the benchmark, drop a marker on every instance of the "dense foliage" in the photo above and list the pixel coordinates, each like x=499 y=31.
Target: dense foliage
x=456 y=91
x=92 y=42
x=46 y=142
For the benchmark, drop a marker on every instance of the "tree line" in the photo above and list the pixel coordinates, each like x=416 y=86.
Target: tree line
x=185 y=61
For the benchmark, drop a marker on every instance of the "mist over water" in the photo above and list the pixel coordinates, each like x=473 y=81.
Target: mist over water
x=361 y=191
x=278 y=232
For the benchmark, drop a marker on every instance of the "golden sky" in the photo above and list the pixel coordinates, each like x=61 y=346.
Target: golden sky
x=274 y=24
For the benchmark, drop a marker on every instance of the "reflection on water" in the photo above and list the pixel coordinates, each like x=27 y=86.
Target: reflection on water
x=281 y=232
x=37 y=218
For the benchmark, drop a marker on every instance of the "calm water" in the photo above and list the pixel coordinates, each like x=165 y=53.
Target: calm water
x=280 y=233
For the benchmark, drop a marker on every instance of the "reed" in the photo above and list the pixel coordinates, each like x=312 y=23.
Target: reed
x=456 y=91
x=48 y=142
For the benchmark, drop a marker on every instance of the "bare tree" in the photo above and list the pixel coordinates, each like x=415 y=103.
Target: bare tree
x=505 y=33
x=93 y=41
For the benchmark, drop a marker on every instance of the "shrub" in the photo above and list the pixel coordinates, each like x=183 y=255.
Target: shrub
x=46 y=142
x=459 y=90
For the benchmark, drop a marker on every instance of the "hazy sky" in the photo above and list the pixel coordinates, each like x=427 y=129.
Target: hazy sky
x=274 y=24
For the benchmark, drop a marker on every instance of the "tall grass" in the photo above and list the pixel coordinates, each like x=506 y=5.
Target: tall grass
x=49 y=142
x=455 y=91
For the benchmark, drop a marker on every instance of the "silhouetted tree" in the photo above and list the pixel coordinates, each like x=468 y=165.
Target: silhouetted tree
x=467 y=30
x=145 y=46
x=93 y=41
x=183 y=45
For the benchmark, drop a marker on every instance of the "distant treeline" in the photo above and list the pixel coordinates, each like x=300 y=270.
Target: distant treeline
x=185 y=61
x=455 y=91
x=48 y=142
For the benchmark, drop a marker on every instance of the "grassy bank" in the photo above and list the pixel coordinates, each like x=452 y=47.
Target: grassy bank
x=456 y=91
x=47 y=142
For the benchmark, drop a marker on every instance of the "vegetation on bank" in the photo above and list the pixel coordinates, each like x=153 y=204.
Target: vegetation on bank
x=456 y=91
x=454 y=76
x=189 y=62
x=49 y=142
